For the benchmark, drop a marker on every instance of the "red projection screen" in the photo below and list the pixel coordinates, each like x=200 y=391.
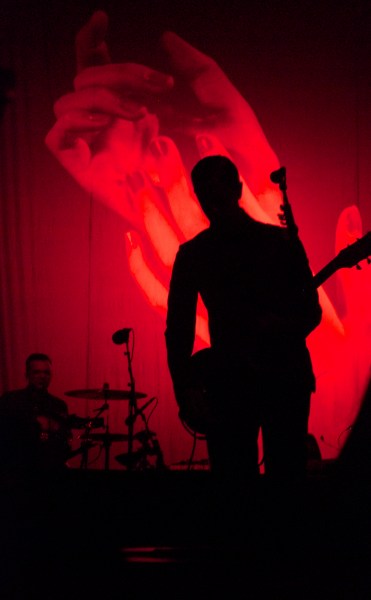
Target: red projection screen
x=98 y=137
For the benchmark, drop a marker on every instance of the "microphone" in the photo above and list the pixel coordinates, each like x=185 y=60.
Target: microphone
x=279 y=175
x=121 y=336
x=131 y=418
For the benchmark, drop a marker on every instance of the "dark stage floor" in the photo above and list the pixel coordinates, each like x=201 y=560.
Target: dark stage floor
x=176 y=534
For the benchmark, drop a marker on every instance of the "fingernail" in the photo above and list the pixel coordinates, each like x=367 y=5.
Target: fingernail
x=203 y=143
x=131 y=237
x=135 y=182
x=158 y=148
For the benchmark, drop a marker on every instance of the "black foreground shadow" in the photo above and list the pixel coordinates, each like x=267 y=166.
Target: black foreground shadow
x=176 y=534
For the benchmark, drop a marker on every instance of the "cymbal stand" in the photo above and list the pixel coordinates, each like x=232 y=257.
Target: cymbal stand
x=86 y=445
x=106 y=443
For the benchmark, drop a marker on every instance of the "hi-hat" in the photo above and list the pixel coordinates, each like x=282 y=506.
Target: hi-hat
x=103 y=394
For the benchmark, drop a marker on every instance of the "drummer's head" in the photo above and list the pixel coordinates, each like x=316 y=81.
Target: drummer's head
x=38 y=371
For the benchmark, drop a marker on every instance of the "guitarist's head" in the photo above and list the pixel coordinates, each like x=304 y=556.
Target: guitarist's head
x=217 y=185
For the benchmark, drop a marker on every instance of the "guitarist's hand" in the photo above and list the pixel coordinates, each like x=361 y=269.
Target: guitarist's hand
x=193 y=408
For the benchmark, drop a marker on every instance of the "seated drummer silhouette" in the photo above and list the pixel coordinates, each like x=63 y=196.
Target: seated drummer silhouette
x=34 y=423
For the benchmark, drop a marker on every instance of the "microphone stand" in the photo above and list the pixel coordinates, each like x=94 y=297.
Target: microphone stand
x=132 y=407
x=286 y=217
x=130 y=458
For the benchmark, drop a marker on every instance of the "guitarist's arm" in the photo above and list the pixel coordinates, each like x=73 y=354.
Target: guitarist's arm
x=180 y=336
x=302 y=312
x=181 y=321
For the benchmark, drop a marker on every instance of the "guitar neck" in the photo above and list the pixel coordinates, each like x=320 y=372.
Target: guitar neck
x=348 y=257
x=326 y=272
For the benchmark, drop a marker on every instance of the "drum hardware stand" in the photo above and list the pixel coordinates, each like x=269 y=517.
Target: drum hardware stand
x=106 y=443
x=156 y=450
x=139 y=458
x=149 y=440
x=150 y=447
x=86 y=443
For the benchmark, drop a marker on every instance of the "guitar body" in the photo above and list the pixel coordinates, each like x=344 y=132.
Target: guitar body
x=193 y=413
x=201 y=367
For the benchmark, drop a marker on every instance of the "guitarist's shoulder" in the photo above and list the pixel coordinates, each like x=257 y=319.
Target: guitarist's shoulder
x=274 y=236
x=261 y=228
x=197 y=242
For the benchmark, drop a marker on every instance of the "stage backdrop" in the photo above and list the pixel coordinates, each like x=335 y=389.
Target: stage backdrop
x=94 y=207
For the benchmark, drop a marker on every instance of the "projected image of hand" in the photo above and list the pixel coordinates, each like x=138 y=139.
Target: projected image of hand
x=113 y=134
x=109 y=137
x=212 y=105
x=101 y=134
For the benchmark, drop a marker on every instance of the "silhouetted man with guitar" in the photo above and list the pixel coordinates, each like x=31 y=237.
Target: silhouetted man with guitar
x=262 y=303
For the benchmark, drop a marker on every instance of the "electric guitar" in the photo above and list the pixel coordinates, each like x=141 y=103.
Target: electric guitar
x=200 y=361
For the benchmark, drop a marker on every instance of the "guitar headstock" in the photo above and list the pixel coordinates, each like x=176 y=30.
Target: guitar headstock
x=353 y=254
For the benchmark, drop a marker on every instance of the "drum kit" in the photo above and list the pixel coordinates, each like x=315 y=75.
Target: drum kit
x=131 y=460
x=149 y=448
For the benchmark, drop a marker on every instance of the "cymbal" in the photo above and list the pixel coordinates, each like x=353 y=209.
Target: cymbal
x=102 y=394
x=105 y=437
